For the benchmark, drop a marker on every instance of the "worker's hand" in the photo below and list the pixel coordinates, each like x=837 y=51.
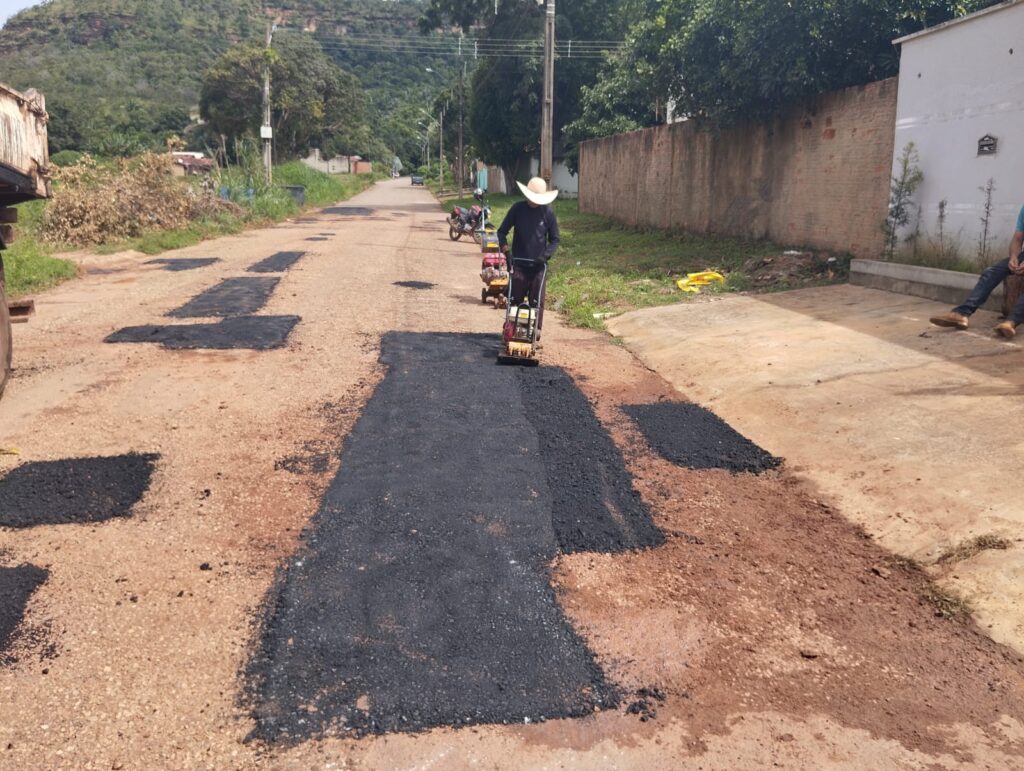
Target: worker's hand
x=504 y=249
x=1015 y=265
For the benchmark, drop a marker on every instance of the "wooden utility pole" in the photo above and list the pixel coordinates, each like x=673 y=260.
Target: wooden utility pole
x=462 y=147
x=547 y=129
x=440 y=150
x=266 y=131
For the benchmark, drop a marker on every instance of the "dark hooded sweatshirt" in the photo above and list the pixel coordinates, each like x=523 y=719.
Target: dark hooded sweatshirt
x=536 y=230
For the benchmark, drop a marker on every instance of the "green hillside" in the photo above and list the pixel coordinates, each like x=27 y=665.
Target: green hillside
x=117 y=73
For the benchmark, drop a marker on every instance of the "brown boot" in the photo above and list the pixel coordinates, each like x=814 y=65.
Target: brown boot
x=950 y=319
x=1006 y=328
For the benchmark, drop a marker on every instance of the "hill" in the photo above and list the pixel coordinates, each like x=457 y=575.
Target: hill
x=122 y=72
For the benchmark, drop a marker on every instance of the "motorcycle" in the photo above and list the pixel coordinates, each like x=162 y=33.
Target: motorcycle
x=473 y=221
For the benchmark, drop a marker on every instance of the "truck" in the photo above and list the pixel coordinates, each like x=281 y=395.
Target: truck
x=24 y=176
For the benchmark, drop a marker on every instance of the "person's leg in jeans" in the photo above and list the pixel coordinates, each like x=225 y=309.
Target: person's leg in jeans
x=987 y=282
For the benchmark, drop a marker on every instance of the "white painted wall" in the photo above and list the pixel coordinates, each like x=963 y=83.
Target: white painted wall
x=567 y=184
x=959 y=82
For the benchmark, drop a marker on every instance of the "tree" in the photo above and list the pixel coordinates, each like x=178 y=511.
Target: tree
x=727 y=59
x=505 y=100
x=314 y=103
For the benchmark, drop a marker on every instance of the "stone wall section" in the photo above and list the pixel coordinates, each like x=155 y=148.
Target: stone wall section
x=816 y=176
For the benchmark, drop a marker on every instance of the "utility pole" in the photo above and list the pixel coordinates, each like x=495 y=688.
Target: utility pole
x=549 y=93
x=462 y=148
x=266 y=130
x=440 y=150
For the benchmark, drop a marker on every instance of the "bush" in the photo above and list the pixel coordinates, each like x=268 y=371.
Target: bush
x=93 y=204
x=66 y=158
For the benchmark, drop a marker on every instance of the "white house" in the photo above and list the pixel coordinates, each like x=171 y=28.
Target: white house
x=961 y=102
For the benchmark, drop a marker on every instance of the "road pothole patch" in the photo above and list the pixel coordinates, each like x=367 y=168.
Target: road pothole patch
x=231 y=297
x=691 y=436
x=17 y=585
x=277 y=263
x=350 y=211
x=414 y=284
x=76 y=490
x=179 y=264
x=254 y=333
x=421 y=596
x=596 y=507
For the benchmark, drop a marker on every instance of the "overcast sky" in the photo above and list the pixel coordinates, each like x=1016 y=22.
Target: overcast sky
x=11 y=7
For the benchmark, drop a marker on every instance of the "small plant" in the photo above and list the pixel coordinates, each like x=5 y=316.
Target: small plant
x=971 y=547
x=901 y=192
x=986 y=219
x=941 y=226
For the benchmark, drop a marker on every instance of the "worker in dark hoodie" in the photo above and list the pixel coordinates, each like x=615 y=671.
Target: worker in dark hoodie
x=535 y=241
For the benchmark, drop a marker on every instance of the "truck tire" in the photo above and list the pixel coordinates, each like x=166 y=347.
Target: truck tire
x=5 y=334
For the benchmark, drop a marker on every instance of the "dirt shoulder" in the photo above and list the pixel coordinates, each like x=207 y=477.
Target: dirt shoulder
x=765 y=629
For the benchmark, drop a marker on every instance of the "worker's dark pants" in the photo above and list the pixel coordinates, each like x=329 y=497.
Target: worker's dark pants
x=990 y=279
x=528 y=283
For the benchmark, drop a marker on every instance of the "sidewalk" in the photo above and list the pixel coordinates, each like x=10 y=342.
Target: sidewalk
x=900 y=424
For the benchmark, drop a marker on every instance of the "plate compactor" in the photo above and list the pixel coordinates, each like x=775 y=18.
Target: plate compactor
x=519 y=334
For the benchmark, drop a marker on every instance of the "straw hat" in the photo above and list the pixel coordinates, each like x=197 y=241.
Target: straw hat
x=536 y=190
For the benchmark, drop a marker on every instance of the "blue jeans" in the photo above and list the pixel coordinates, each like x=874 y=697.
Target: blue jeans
x=989 y=280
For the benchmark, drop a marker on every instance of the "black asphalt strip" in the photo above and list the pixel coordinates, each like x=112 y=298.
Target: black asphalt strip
x=178 y=264
x=414 y=284
x=16 y=587
x=231 y=297
x=421 y=595
x=596 y=507
x=255 y=333
x=317 y=238
x=690 y=436
x=349 y=211
x=76 y=490
x=277 y=263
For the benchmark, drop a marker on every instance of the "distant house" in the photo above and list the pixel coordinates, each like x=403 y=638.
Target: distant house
x=961 y=102
x=192 y=164
x=339 y=164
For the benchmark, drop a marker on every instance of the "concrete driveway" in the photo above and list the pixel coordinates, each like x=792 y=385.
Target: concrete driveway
x=913 y=431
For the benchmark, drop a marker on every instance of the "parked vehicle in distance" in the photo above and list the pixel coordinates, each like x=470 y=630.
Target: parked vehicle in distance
x=417 y=179
x=24 y=176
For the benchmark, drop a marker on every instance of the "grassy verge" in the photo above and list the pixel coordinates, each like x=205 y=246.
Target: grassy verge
x=603 y=269
x=33 y=265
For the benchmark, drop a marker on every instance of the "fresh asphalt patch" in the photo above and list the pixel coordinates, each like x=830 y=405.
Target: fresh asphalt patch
x=78 y=490
x=277 y=263
x=178 y=264
x=231 y=297
x=254 y=333
x=596 y=507
x=421 y=594
x=349 y=211
x=690 y=436
x=414 y=284
x=16 y=588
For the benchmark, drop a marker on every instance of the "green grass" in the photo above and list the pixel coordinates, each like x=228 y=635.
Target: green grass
x=31 y=264
x=604 y=269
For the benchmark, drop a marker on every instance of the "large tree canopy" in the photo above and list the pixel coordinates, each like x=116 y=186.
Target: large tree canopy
x=506 y=93
x=727 y=59
x=314 y=102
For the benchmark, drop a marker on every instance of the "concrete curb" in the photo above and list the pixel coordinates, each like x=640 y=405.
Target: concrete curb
x=948 y=287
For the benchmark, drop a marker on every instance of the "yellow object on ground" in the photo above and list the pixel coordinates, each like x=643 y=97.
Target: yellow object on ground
x=9 y=451
x=694 y=281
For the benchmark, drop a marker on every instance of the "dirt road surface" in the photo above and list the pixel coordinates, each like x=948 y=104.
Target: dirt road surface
x=901 y=424
x=319 y=528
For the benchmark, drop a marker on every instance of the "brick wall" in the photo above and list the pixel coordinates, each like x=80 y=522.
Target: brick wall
x=816 y=177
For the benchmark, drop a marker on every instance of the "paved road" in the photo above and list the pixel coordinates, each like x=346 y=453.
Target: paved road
x=316 y=528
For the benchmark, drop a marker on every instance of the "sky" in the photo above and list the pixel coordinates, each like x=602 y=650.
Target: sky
x=11 y=7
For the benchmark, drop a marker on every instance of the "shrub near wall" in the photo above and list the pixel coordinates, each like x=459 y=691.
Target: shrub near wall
x=815 y=176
